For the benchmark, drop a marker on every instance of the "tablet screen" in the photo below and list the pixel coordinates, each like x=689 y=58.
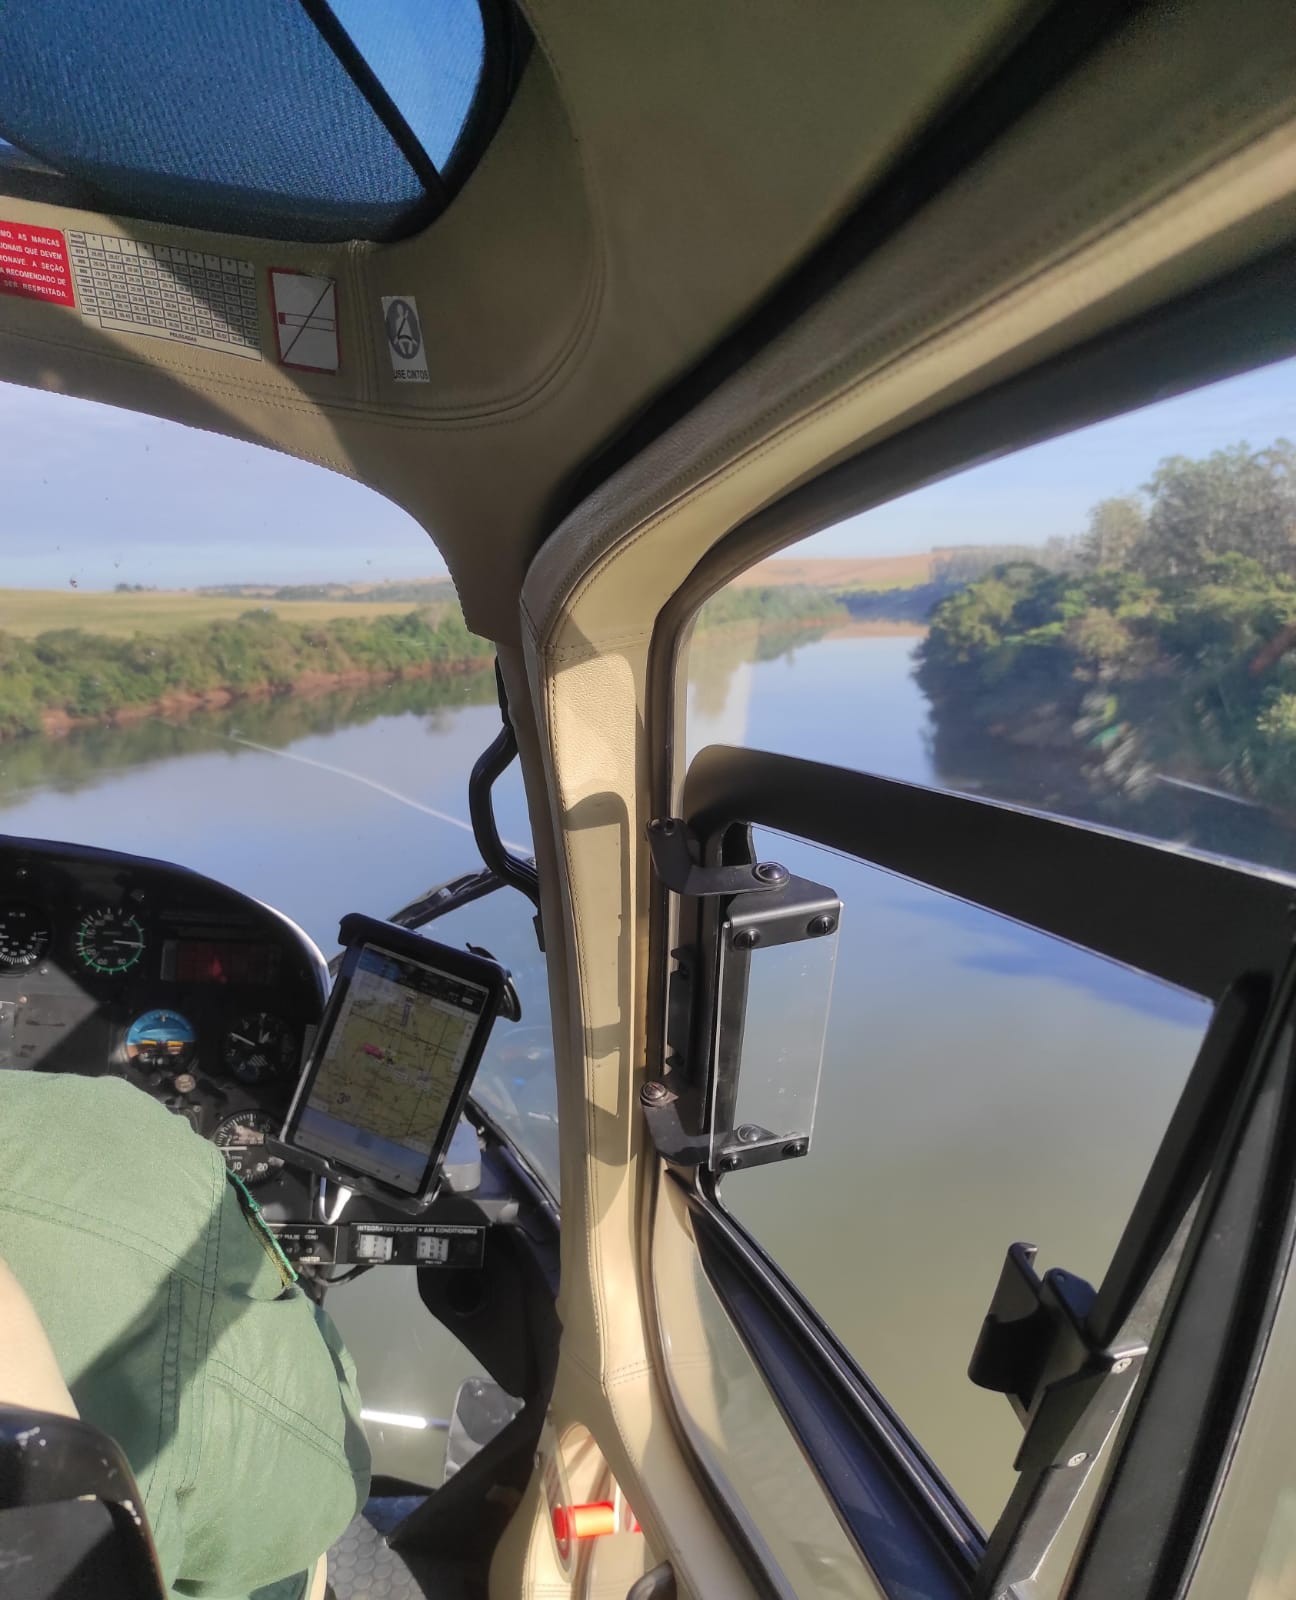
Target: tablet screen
x=386 y=1071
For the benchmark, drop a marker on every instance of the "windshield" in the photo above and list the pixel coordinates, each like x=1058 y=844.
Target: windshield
x=219 y=657
x=269 y=682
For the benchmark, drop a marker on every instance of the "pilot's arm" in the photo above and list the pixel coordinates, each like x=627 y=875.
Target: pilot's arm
x=179 y=1332
x=281 y=1465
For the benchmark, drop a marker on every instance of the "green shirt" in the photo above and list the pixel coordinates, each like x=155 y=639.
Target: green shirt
x=229 y=1390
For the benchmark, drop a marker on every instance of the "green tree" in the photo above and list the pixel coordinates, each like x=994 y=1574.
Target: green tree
x=1117 y=528
x=1234 y=501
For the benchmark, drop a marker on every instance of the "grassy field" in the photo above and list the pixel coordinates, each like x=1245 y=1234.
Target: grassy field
x=841 y=574
x=27 y=612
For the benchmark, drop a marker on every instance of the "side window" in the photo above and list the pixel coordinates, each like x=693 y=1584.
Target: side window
x=1101 y=627
x=981 y=1083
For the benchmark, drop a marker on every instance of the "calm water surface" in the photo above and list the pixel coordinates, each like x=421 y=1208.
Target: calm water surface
x=980 y=1084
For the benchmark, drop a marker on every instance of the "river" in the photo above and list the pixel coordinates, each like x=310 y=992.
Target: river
x=980 y=1084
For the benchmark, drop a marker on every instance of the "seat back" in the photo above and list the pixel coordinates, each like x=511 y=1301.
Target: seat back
x=72 y=1524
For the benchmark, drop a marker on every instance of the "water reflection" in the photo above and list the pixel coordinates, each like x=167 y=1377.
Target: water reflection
x=852 y=698
x=1014 y=951
x=720 y=655
x=964 y=758
x=85 y=756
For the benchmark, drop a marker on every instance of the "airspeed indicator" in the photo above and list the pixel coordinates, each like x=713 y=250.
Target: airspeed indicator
x=109 y=940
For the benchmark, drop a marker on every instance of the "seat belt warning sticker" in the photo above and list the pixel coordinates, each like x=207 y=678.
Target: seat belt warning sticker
x=306 y=320
x=164 y=291
x=34 y=264
x=405 y=339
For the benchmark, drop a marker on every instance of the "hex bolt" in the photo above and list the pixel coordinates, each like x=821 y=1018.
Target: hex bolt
x=772 y=872
x=747 y=1134
x=1079 y=1459
x=729 y=1163
x=653 y=1093
x=818 y=926
x=746 y=939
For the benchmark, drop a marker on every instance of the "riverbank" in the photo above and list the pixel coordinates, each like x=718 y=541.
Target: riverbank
x=1126 y=678
x=70 y=678
x=311 y=686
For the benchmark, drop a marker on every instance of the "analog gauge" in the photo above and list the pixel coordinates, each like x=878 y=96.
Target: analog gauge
x=109 y=940
x=24 y=936
x=258 y=1047
x=161 y=1039
x=242 y=1140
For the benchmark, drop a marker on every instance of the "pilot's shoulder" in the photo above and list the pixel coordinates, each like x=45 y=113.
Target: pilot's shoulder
x=102 y=1134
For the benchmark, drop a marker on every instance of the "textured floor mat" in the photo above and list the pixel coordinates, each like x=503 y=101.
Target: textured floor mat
x=362 y=1566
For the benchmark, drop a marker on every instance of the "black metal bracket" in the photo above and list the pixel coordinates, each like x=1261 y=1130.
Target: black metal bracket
x=1068 y=1391
x=730 y=912
x=674 y=853
x=674 y=1143
x=747 y=1146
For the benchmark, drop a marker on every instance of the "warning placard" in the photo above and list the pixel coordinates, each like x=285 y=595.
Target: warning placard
x=34 y=263
x=306 y=322
x=405 y=339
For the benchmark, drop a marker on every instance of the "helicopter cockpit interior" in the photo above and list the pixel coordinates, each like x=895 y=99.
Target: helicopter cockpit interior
x=616 y=302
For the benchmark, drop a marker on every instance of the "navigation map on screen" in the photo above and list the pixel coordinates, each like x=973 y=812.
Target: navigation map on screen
x=389 y=1067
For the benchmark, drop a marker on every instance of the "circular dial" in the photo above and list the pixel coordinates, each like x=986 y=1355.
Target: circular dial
x=242 y=1140
x=161 y=1039
x=257 y=1047
x=109 y=940
x=24 y=936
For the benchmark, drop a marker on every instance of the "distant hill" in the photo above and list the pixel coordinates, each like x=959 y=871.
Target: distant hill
x=406 y=591
x=841 y=574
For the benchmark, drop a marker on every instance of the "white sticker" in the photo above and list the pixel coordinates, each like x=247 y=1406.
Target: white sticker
x=306 y=323
x=405 y=338
x=166 y=292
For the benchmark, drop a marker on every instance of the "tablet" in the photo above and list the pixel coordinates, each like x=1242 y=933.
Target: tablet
x=385 y=1082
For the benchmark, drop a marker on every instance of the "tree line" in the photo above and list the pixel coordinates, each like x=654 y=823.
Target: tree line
x=73 y=674
x=1165 y=643
x=88 y=677
x=1193 y=513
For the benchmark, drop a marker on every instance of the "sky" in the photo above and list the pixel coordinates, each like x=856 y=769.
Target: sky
x=98 y=496
x=1034 y=494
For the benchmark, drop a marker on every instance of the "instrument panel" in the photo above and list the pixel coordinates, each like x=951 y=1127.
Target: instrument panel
x=201 y=996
